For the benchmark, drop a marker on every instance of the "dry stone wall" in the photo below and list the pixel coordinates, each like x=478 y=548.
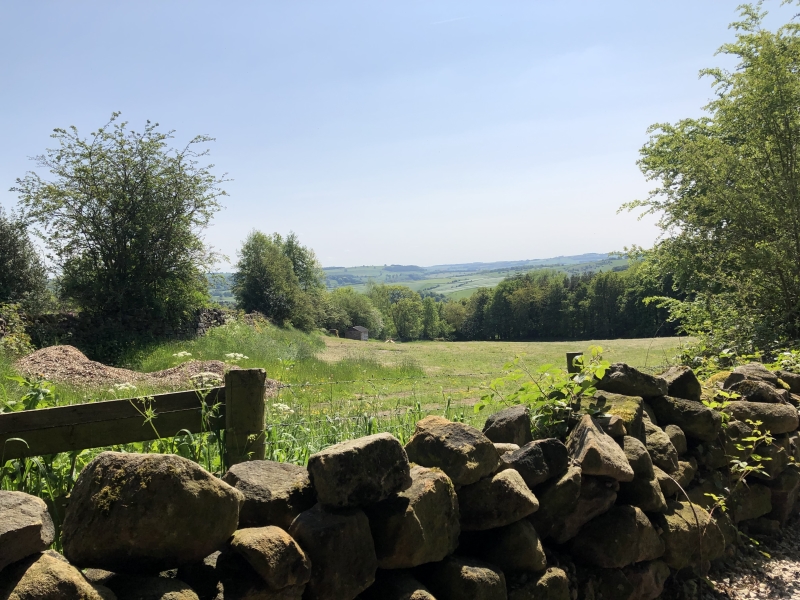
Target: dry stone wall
x=622 y=505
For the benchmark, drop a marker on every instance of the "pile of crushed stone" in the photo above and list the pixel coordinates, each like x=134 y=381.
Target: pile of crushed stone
x=67 y=364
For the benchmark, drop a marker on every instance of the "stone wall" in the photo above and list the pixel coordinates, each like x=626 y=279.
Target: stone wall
x=615 y=510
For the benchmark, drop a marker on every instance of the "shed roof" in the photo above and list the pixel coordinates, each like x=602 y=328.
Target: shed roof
x=360 y=328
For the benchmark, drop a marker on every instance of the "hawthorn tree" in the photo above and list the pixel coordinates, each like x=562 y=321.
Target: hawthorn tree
x=122 y=214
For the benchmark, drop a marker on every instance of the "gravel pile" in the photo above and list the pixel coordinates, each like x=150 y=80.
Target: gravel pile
x=67 y=364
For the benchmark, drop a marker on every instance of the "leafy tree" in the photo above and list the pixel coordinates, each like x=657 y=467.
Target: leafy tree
x=265 y=281
x=728 y=195
x=431 y=326
x=407 y=318
x=23 y=277
x=349 y=308
x=122 y=216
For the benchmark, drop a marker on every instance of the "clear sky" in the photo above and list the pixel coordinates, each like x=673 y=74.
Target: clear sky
x=406 y=132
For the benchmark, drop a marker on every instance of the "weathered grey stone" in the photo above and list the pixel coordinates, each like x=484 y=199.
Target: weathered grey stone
x=503 y=449
x=274 y=555
x=733 y=440
x=146 y=512
x=25 y=526
x=647 y=579
x=597 y=453
x=342 y=553
x=359 y=472
x=201 y=576
x=396 y=585
x=624 y=379
x=461 y=451
x=237 y=580
x=711 y=455
x=538 y=461
x=775 y=418
x=682 y=383
x=753 y=390
x=495 y=501
x=513 y=548
x=274 y=493
x=132 y=587
x=750 y=502
x=612 y=425
x=761 y=526
x=695 y=419
x=594 y=582
x=643 y=493
x=678 y=439
x=553 y=584
x=557 y=499
x=688 y=534
x=597 y=497
x=661 y=450
x=790 y=379
x=459 y=578
x=419 y=524
x=618 y=538
x=44 y=577
x=682 y=477
x=511 y=425
x=628 y=408
x=638 y=457
x=775 y=460
x=755 y=371
x=784 y=490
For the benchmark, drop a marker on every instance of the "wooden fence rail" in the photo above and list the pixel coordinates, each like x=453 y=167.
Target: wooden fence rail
x=113 y=422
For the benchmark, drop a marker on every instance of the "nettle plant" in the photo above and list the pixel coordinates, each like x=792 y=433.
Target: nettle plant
x=552 y=394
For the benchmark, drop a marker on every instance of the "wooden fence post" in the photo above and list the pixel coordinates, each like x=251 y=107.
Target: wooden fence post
x=244 y=415
x=571 y=356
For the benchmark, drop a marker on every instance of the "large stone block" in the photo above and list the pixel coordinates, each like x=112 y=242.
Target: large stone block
x=662 y=452
x=42 y=576
x=513 y=548
x=274 y=493
x=597 y=453
x=695 y=419
x=495 y=501
x=682 y=383
x=785 y=490
x=647 y=579
x=597 y=497
x=624 y=379
x=461 y=451
x=618 y=538
x=359 y=472
x=775 y=418
x=419 y=524
x=274 y=555
x=342 y=553
x=753 y=390
x=511 y=425
x=538 y=461
x=553 y=584
x=459 y=578
x=689 y=535
x=628 y=408
x=557 y=499
x=396 y=585
x=25 y=526
x=147 y=513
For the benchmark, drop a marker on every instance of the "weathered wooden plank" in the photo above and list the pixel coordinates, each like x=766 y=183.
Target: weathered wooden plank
x=68 y=428
x=103 y=411
x=244 y=417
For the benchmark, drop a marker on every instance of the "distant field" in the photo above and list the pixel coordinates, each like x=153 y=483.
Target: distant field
x=462 y=358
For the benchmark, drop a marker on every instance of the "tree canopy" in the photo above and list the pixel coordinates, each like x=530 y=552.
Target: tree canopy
x=23 y=277
x=728 y=194
x=122 y=215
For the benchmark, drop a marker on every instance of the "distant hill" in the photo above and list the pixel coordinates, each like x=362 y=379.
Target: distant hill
x=453 y=281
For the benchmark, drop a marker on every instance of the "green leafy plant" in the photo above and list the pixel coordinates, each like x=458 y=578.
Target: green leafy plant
x=552 y=394
x=37 y=392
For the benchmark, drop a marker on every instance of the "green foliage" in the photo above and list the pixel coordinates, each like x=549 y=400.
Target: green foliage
x=123 y=216
x=14 y=341
x=727 y=196
x=347 y=308
x=23 y=277
x=552 y=394
x=38 y=393
x=401 y=308
x=266 y=281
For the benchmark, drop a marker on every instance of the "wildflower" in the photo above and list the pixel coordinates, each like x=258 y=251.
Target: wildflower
x=235 y=356
x=284 y=408
x=182 y=354
x=206 y=378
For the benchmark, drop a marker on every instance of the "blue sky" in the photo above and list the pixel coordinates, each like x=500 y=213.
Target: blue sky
x=407 y=132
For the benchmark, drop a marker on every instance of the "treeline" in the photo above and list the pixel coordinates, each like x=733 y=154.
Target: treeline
x=282 y=279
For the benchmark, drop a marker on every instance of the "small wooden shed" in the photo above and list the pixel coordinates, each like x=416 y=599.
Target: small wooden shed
x=357 y=333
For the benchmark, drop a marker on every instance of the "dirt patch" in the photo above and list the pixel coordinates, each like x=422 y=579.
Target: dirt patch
x=67 y=364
